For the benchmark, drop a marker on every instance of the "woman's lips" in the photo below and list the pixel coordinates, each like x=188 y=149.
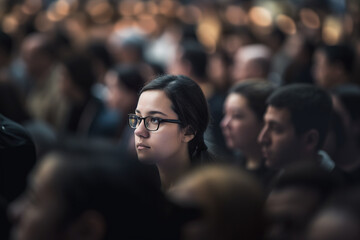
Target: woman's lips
x=141 y=146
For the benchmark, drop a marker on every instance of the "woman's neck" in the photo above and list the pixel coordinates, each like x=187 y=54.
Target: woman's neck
x=169 y=173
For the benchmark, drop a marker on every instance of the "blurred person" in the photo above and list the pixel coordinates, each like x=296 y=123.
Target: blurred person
x=296 y=195
x=217 y=71
x=87 y=115
x=231 y=200
x=192 y=61
x=234 y=37
x=339 y=218
x=296 y=124
x=299 y=69
x=333 y=65
x=170 y=119
x=84 y=194
x=102 y=62
x=345 y=141
x=124 y=84
x=251 y=62
x=43 y=100
x=17 y=158
x=244 y=109
x=12 y=105
x=127 y=46
x=6 y=51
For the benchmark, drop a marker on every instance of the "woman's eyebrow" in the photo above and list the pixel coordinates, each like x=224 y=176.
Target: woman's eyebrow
x=151 y=112
x=157 y=112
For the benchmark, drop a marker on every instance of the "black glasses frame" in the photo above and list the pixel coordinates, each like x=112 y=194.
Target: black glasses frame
x=160 y=120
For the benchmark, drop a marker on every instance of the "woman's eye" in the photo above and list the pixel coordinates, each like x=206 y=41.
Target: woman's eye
x=155 y=120
x=237 y=116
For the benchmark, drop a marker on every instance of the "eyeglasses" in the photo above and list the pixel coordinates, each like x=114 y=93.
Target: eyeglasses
x=151 y=123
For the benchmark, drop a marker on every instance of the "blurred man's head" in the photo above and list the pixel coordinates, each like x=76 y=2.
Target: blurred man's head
x=38 y=54
x=333 y=65
x=296 y=124
x=251 y=61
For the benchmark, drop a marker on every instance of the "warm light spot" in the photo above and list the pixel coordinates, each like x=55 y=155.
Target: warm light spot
x=167 y=7
x=139 y=8
x=332 y=31
x=309 y=18
x=126 y=8
x=124 y=23
x=147 y=23
x=286 y=24
x=31 y=6
x=62 y=8
x=260 y=16
x=100 y=11
x=43 y=23
x=53 y=16
x=9 y=24
x=208 y=32
x=236 y=15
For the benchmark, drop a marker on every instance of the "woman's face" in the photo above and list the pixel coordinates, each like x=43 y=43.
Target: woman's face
x=38 y=213
x=169 y=141
x=240 y=125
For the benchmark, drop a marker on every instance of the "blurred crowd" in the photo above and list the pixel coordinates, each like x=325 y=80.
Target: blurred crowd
x=282 y=84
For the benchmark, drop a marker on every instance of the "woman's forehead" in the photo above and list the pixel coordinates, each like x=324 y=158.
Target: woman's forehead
x=154 y=101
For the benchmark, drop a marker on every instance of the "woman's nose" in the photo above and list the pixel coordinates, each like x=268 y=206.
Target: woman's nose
x=225 y=121
x=141 y=130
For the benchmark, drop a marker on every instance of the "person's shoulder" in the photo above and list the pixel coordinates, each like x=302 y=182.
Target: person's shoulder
x=13 y=134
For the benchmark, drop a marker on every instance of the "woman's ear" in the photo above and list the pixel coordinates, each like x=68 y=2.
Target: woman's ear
x=90 y=226
x=188 y=134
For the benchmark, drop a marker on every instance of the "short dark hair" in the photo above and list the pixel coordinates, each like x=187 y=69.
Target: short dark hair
x=130 y=77
x=81 y=71
x=189 y=103
x=195 y=54
x=349 y=96
x=6 y=42
x=343 y=54
x=95 y=179
x=256 y=92
x=310 y=107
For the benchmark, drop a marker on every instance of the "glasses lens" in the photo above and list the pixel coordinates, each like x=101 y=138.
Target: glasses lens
x=151 y=123
x=133 y=120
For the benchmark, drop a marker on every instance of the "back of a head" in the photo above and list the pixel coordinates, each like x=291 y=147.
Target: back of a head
x=130 y=77
x=80 y=69
x=195 y=54
x=343 y=55
x=6 y=43
x=339 y=218
x=349 y=95
x=310 y=107
x=189 y=103
x=307 y=175
x=120 y=190
x=231 y=200
x=256 y=92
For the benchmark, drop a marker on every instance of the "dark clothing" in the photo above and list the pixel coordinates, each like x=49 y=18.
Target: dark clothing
x=91 y=119
x=17 y=157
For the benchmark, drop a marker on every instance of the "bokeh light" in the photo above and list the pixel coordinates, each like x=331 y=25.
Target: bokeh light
x=260 y=16
x=286 y=24
x=309 y=18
